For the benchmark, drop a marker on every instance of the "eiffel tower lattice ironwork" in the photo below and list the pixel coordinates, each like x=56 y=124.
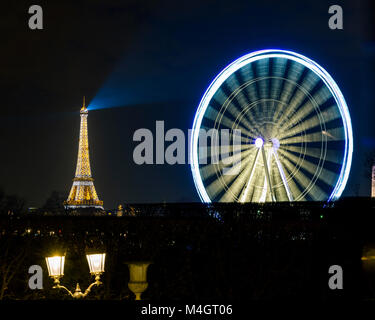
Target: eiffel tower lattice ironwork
x=83 y=193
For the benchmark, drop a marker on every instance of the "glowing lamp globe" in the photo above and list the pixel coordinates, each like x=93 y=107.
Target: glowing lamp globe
x=55 y=266
x=96 y=263
x=258 y=142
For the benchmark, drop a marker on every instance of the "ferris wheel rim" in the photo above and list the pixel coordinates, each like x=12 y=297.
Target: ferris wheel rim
x=264 y=54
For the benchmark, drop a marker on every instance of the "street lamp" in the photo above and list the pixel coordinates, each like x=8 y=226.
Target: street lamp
x=96 y=263
x=55 y=267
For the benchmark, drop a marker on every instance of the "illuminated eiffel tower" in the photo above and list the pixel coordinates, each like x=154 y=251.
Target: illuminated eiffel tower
x=83 y=194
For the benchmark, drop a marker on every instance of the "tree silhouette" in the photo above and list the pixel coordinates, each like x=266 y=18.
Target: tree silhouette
x=11 y=204
x=54 y=203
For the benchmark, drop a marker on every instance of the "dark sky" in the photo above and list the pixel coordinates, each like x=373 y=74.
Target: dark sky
x=157 y=59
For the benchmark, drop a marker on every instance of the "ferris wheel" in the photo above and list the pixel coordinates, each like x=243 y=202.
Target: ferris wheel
x=296 y=139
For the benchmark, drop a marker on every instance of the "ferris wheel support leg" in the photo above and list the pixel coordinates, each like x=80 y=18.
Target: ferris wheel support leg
x=283 y=177
x=268 y=173
x=246 y=191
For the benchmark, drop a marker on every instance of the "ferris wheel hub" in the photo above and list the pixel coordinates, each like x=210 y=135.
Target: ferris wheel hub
x=275 y=143
x=259 y=142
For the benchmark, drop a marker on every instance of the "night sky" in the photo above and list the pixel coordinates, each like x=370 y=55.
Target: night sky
x=144 y=61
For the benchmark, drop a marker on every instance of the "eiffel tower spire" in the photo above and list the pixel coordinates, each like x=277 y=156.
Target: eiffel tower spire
x=82 y=193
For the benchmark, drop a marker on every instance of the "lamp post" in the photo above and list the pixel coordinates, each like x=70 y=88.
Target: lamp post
x=138 y=277
x=55 y=267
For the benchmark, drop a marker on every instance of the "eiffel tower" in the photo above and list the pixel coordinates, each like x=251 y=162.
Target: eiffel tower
x=82 y=193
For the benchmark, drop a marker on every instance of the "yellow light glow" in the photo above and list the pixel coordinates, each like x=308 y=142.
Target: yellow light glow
x=96 y=262
x=365 y=258
x=55 y=266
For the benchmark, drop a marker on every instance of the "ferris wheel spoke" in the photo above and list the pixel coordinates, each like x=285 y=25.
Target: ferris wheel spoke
x=278 y=76
x=253 y=114
x=314 y=122
x=307 y=138
x=214 y=188
x=334 y=134
x=330 y=156
x=320 y=101
x=214 y=116
x=235 y=111
x=234 y=182
x=227 y=123
x=256 y=109
x=251 y=131
x=267 y=180
x=245 y=140
x=263 y=70
x=280 y=87
x=285 y=96
x=279 y=188
x=306 y=109
x=301 y=99
x=246 y=136
x=295 y=101
x=326 y=176
x=295 y=186
x=317 y=171
x=209 y=169
x=301 y=130
x=247 y=73
x=252 y=170
x=278 y=110
x=253 y=111
x=305 y=164
x=223 y=149
x=250 y=90
x=235 y=187
x=293 y=74
x=257 y=78
x=250 y=117
x=280 y=107
x=238 y=95
x=301 y=179
x=282 y=175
